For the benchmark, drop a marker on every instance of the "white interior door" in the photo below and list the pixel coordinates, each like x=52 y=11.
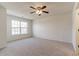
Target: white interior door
x=77 y=30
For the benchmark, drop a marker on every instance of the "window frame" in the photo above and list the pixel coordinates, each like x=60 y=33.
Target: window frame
x=20 y=28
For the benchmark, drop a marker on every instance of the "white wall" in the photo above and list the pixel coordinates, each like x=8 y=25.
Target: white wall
x=10 y=37
x=3 y=36
x=57 y=27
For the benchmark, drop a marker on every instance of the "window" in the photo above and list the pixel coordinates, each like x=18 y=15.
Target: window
x=23 y=27
x=19 y=27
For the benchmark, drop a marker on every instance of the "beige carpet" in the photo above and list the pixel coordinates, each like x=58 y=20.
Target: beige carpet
x=37 y=47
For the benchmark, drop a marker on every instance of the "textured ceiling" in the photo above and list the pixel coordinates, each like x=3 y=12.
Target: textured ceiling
x=22 y=9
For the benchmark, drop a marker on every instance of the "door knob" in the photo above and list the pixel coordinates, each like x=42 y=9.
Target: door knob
x=78 y=30
x=78 y=46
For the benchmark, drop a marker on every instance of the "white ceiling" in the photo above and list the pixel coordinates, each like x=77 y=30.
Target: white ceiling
x=22 y=9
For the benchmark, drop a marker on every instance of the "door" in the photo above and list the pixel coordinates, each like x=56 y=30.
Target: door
x=77 y=31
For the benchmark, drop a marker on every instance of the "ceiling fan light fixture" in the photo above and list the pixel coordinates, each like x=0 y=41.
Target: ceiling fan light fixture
x=38 y=12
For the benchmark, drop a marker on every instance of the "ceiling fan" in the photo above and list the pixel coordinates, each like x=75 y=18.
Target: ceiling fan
x=39 y=10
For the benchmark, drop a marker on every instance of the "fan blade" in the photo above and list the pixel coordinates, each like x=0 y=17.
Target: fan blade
x=32 y=7
x=43 y=7
x=32 y=12
x=45 y=11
